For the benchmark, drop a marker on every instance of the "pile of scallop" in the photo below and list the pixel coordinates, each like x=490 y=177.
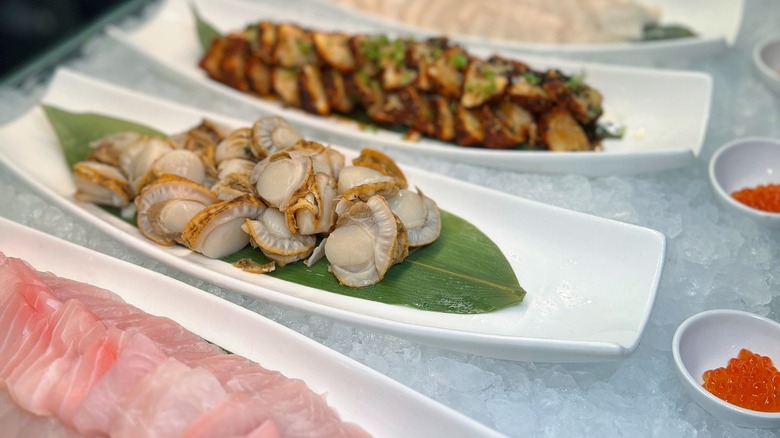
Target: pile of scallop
x=216 y=190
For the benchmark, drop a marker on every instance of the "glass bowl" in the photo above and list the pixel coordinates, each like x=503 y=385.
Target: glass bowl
x=707 y=341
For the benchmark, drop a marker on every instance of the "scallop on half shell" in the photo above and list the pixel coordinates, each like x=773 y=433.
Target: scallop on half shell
x=216 y=230
x=367 y=240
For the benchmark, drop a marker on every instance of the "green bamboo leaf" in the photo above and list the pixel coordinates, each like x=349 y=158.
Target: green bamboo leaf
x=657 y=31
x=76 y=130
x=206 y=32
x=462 y=272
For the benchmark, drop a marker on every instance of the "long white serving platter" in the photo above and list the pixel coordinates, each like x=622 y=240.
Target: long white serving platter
x=664 y=113
x=591 y=282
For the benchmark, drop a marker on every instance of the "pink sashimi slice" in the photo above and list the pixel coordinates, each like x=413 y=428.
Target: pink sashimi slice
x=24 y=332
x=299 y=412
x=95 y=356
x=166 y=400
x=103 y=366
x=64 y=289
x=27 y=279
x=33 y=378
x=237 y=415
x=25 y=302
x=295 y=409
x=174 y=339
x=266 y=430
x=18 y=423
x=237 y=373
x=139 y=357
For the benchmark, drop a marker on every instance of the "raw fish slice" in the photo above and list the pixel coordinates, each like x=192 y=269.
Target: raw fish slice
x=40 y=298
x=21 y=272
x=112 y=313
x=64 y=288
x=93 y=361
x=294 y=408
x=265 y=430
x=18 y=423
x=228 y=367
x=25 y=300
x=139 y=357
x=299 y=412
x=156 y=393
x=23 y=331
x=165 y=401
x=25 y=326
x=33 y=378
x=172 y=338
x=237 y=415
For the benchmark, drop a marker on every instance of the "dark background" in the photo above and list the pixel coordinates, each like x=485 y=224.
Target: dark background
x=28 y=28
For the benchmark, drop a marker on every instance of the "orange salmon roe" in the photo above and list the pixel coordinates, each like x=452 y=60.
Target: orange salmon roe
x=749 y=381
x=765 y=197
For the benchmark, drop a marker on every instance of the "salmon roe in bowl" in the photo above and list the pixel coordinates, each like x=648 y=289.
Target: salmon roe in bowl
x=714 y=339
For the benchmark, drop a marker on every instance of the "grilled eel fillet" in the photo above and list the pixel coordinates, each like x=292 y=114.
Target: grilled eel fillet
x=432 y=87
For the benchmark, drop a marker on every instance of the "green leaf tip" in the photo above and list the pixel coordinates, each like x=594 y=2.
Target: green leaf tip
x=205 y=30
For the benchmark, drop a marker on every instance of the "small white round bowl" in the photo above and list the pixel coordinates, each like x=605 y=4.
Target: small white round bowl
x=746 y=163
x=766 y=58
x=707 y=341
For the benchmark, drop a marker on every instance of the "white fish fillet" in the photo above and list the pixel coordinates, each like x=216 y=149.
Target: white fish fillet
x=76 y=355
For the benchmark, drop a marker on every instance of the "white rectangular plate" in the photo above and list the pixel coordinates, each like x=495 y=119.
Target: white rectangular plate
x=716 y=25
x=665 y=113
x=384 y=406
x=575 y=267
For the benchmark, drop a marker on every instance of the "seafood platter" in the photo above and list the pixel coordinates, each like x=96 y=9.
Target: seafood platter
x=351 y=170
x=212 y=186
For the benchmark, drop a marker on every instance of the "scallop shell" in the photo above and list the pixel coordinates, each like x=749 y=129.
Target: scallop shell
x=382 y=163
x=272 y=134
x=271 y=234
x=233 y=186
x=164 y=189
x=280 y=179
x=101 y=183
x=324 y=159
x=235 y=166
x=236 y=145
x=216 y=230
x=358 y=182
x=180 y=162
x=169 y=218
x=321 y=216
x=419 y=214
x=109 y=148
x=368 y=239
x=138 y=162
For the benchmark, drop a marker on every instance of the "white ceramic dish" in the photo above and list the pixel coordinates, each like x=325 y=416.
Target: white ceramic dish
x=707 y=341
x=384 y=407
x=573 y=279
x=766 y=58
x=746 y=163
x=665 y=113
x=716 y=24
